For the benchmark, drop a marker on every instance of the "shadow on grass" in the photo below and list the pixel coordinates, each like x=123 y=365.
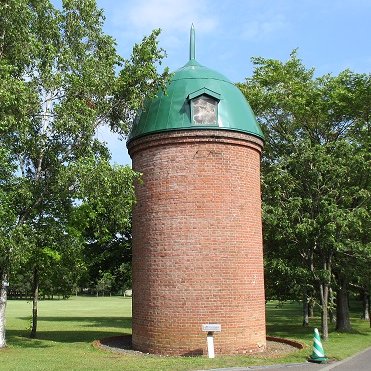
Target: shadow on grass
x=282 y=327
x=72 y=330
x=21 y=338
x=115 y=322
x=285 y=320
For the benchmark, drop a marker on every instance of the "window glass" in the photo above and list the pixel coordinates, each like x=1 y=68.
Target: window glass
x=204 y=110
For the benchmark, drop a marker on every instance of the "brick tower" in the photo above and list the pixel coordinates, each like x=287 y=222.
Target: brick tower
x=197 y=232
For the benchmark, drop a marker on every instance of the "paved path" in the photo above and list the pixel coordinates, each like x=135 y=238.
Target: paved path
x=359 y=362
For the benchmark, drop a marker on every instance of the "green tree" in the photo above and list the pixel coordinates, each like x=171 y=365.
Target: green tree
x=104 y=283
x=104 y=219
x=7 y=221
x=16 y=99
x=60 y=84
x=315 y=168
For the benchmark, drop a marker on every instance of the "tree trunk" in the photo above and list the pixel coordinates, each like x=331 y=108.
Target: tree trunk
x=3 y=299
x=324 y=290
x=35 y=299
x=324 y=293
x=342 y=308
x=311 y=308
x=365 y=305
x=305 y=309
x=332 y=306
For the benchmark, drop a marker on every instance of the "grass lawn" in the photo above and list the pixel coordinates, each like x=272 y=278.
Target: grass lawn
x=67 y=328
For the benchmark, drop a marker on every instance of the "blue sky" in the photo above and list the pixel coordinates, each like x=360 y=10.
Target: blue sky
x=331 y=35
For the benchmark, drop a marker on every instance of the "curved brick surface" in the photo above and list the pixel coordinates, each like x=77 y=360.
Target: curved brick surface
x=197 y=243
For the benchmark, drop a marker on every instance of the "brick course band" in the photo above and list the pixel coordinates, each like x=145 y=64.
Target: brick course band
x=197 y=242
x=186 y=136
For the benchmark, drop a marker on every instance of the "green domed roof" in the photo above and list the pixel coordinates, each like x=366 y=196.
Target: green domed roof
x=173 y=110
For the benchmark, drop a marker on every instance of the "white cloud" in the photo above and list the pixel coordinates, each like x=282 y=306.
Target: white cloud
x=130 y=20
x=264 y=27
x=169 y=15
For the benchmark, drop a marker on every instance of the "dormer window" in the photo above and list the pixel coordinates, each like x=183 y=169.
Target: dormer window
x=204 y=107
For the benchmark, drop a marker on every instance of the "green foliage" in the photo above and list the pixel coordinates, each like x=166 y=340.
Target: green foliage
x=103 y=218
x=316 y=173
x=138 y=80
x=106 y=193
x=104 y=283
x=60 y=79
x=9 y=233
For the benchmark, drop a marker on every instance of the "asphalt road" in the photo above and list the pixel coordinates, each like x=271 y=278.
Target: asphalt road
x=359 y=362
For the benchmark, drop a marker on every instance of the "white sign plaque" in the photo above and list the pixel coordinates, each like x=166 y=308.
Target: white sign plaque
x=212 y=327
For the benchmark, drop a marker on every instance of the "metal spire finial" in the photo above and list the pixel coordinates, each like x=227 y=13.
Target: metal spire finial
x=192 y=44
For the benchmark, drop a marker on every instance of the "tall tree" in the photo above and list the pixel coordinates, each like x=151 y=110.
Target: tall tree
x=61 y=85
x=104 y=220
x=7 y=222
x=315 y=169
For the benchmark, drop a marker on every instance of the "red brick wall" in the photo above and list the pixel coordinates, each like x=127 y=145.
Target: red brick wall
x=197 y=242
